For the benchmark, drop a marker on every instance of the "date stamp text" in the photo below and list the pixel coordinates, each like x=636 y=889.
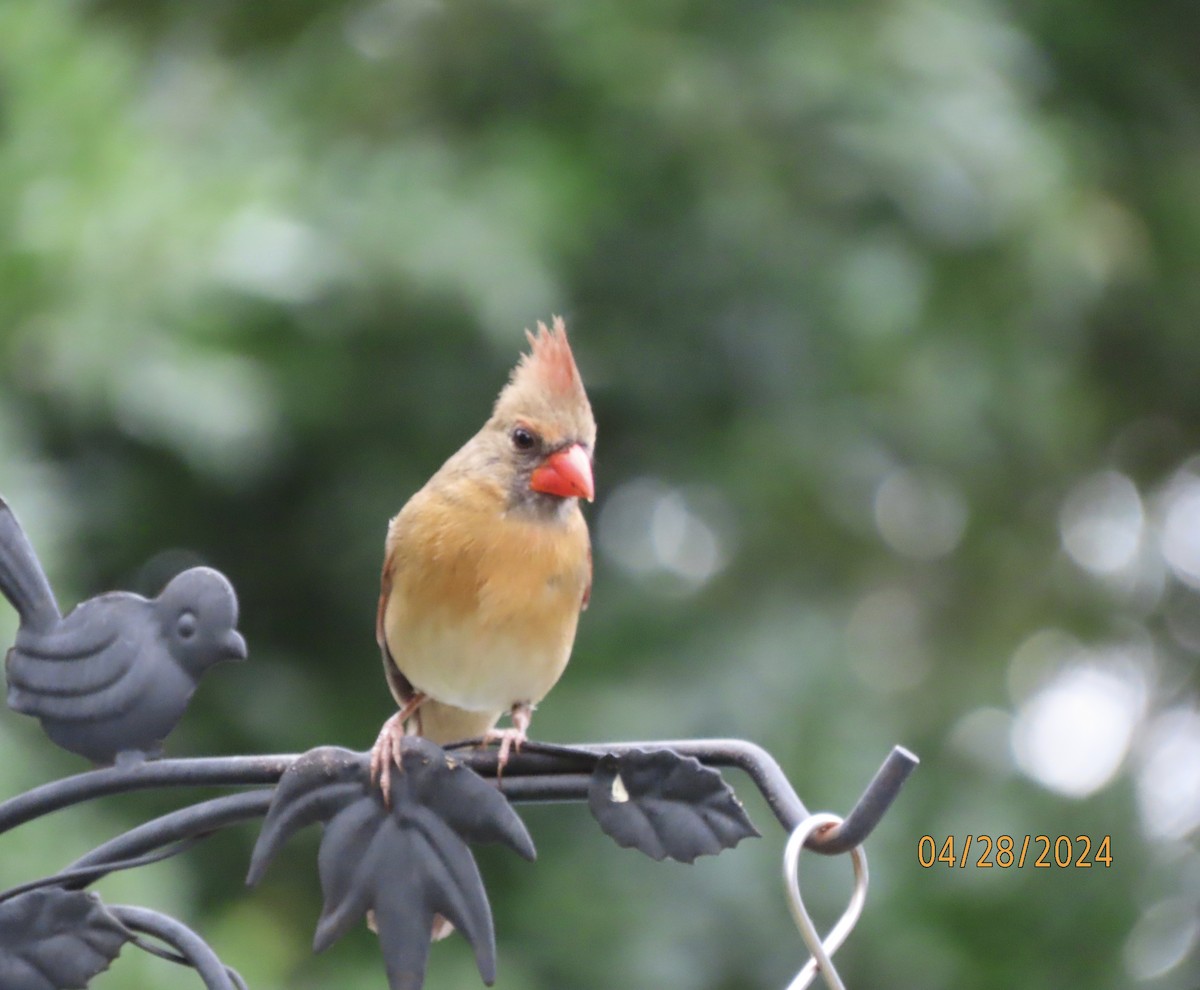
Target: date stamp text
x=1004 y=851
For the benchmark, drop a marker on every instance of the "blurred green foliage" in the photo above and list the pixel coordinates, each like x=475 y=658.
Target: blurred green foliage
x=888 y=315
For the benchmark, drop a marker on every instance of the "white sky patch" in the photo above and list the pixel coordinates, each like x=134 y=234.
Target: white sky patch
x=1162 y=939
x=1072 y=734
x=1038 y=658
x=920 y=514
x=1102 y=522
x=1180 y=539
x=218 y=411
x=274 y=256
x=1168 y=781
x=649 y=527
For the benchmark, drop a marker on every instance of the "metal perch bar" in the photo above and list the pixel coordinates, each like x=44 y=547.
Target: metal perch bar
x=528 y=774
x=202 y=771
x=56 y=672
x=770 y=779
x=541 y=772
x=871 y=806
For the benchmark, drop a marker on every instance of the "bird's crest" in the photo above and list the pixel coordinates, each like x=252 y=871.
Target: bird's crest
x=550 y=362
x=546 y=391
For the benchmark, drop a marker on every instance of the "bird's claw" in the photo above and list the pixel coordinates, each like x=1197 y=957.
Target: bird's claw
x=389 y=747
x=386 y=752
x=511 y=739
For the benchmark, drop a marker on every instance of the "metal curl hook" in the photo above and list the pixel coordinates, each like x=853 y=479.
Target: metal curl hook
x=822 y=949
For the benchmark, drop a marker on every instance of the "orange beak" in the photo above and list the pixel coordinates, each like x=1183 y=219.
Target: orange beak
x=566 y=473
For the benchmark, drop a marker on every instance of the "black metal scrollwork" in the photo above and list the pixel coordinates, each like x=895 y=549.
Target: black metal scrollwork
x=112 y=678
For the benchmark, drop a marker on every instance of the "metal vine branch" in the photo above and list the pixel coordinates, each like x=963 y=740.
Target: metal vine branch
x=110 y=679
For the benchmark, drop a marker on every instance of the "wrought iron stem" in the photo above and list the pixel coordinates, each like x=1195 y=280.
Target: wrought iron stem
x=69 y=671
x=204 y=771
x=194 y=950
x=528 y=778
x=194 y=821
x=541 y=772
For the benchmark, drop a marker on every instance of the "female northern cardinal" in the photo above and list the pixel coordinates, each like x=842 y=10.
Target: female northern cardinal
x=487 y=567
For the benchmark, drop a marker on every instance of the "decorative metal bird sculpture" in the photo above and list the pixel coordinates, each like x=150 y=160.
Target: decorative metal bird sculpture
x=112 y=678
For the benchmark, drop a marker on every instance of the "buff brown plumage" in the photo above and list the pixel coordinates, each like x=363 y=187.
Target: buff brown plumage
x=487 y=567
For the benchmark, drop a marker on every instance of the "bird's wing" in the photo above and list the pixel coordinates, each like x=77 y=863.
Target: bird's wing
x=22 y=580
x=89 y=666
x=402 y=689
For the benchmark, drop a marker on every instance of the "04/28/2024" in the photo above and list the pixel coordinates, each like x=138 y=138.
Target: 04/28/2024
x=1005 y=851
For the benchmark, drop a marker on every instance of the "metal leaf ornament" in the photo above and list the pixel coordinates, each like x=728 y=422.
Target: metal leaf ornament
x=666 y=805
x=405 y=864
x=55 y=939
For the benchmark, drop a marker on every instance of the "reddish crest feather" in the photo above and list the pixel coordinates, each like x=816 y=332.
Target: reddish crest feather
x=550 y=361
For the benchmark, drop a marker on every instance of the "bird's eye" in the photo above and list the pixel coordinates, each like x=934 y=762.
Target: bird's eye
x=523 y=439
x=186 y=626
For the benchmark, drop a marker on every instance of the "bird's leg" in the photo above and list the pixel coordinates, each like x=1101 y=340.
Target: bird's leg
x=387 y=749
x=511 y=739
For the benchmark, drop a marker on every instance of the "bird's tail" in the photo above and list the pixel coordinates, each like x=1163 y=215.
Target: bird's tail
x=22 y=580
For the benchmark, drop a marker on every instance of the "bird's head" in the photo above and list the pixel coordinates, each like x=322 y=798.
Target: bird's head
x=198 y=611
x=542 y=434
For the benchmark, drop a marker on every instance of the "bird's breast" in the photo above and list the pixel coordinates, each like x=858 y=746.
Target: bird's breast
x=479 y=669
x=483 y=617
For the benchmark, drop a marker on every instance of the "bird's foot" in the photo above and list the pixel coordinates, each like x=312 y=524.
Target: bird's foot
x=388 y=748
x=510 y=741
x=384 y=753
x=513 y=738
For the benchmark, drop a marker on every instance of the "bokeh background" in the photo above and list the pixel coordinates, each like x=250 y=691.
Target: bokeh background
x=888 y=315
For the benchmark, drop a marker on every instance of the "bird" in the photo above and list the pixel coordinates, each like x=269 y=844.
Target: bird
x=488 y=566
x=111 y=678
